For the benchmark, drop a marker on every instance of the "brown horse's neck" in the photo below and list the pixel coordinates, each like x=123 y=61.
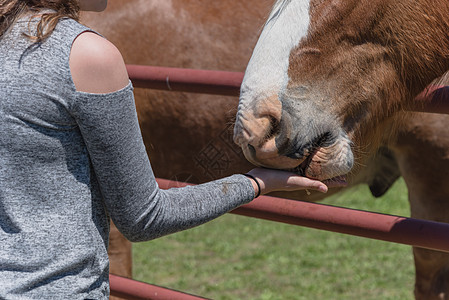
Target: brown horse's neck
x=416 y=33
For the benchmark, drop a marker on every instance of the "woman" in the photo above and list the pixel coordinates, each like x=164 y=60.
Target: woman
x=71 y=157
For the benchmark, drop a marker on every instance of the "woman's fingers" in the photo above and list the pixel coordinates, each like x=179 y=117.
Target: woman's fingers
x=296 y=182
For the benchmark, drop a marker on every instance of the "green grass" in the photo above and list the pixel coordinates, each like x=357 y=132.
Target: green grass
x=235 y=257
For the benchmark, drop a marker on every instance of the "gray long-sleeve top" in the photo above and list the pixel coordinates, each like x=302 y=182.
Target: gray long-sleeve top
x=69 y=161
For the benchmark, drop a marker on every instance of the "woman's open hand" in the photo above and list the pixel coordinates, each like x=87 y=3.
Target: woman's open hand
x=271 y=180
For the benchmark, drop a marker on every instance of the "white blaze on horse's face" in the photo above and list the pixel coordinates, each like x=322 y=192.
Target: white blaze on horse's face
x=287 y=24
x=280 y=127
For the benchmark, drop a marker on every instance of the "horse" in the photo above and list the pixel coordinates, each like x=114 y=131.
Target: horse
x=326 y=88
x=363 y=126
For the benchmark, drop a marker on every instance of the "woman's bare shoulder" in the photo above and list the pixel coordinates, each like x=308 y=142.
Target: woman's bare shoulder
x=97 y=65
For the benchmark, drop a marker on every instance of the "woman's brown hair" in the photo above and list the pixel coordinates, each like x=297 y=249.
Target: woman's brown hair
x=11 y=10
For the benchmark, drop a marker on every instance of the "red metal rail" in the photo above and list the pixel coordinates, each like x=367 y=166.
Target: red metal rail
x=409 y=231
x=186 y=80
x=135 y=290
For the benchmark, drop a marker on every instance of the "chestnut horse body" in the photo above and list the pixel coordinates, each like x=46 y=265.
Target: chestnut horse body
x=323 y=95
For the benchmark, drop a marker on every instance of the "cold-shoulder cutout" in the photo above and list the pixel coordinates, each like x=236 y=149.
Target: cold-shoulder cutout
x=96 y=65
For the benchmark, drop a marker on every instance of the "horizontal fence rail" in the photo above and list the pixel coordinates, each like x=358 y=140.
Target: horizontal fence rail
x=434 y=99
x=135 y=290
x=402 y=230
x=186 y=80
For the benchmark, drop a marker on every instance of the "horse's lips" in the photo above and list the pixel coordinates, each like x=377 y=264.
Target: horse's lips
x=301 y=168
x=333 y=182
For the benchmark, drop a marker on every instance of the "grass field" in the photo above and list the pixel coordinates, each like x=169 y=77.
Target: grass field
x=235 y=257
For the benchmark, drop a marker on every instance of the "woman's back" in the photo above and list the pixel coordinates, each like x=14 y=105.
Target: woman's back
x=47 y=185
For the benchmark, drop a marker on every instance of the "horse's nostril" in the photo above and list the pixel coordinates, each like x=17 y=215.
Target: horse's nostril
x=269 y=131
x=274 y=128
